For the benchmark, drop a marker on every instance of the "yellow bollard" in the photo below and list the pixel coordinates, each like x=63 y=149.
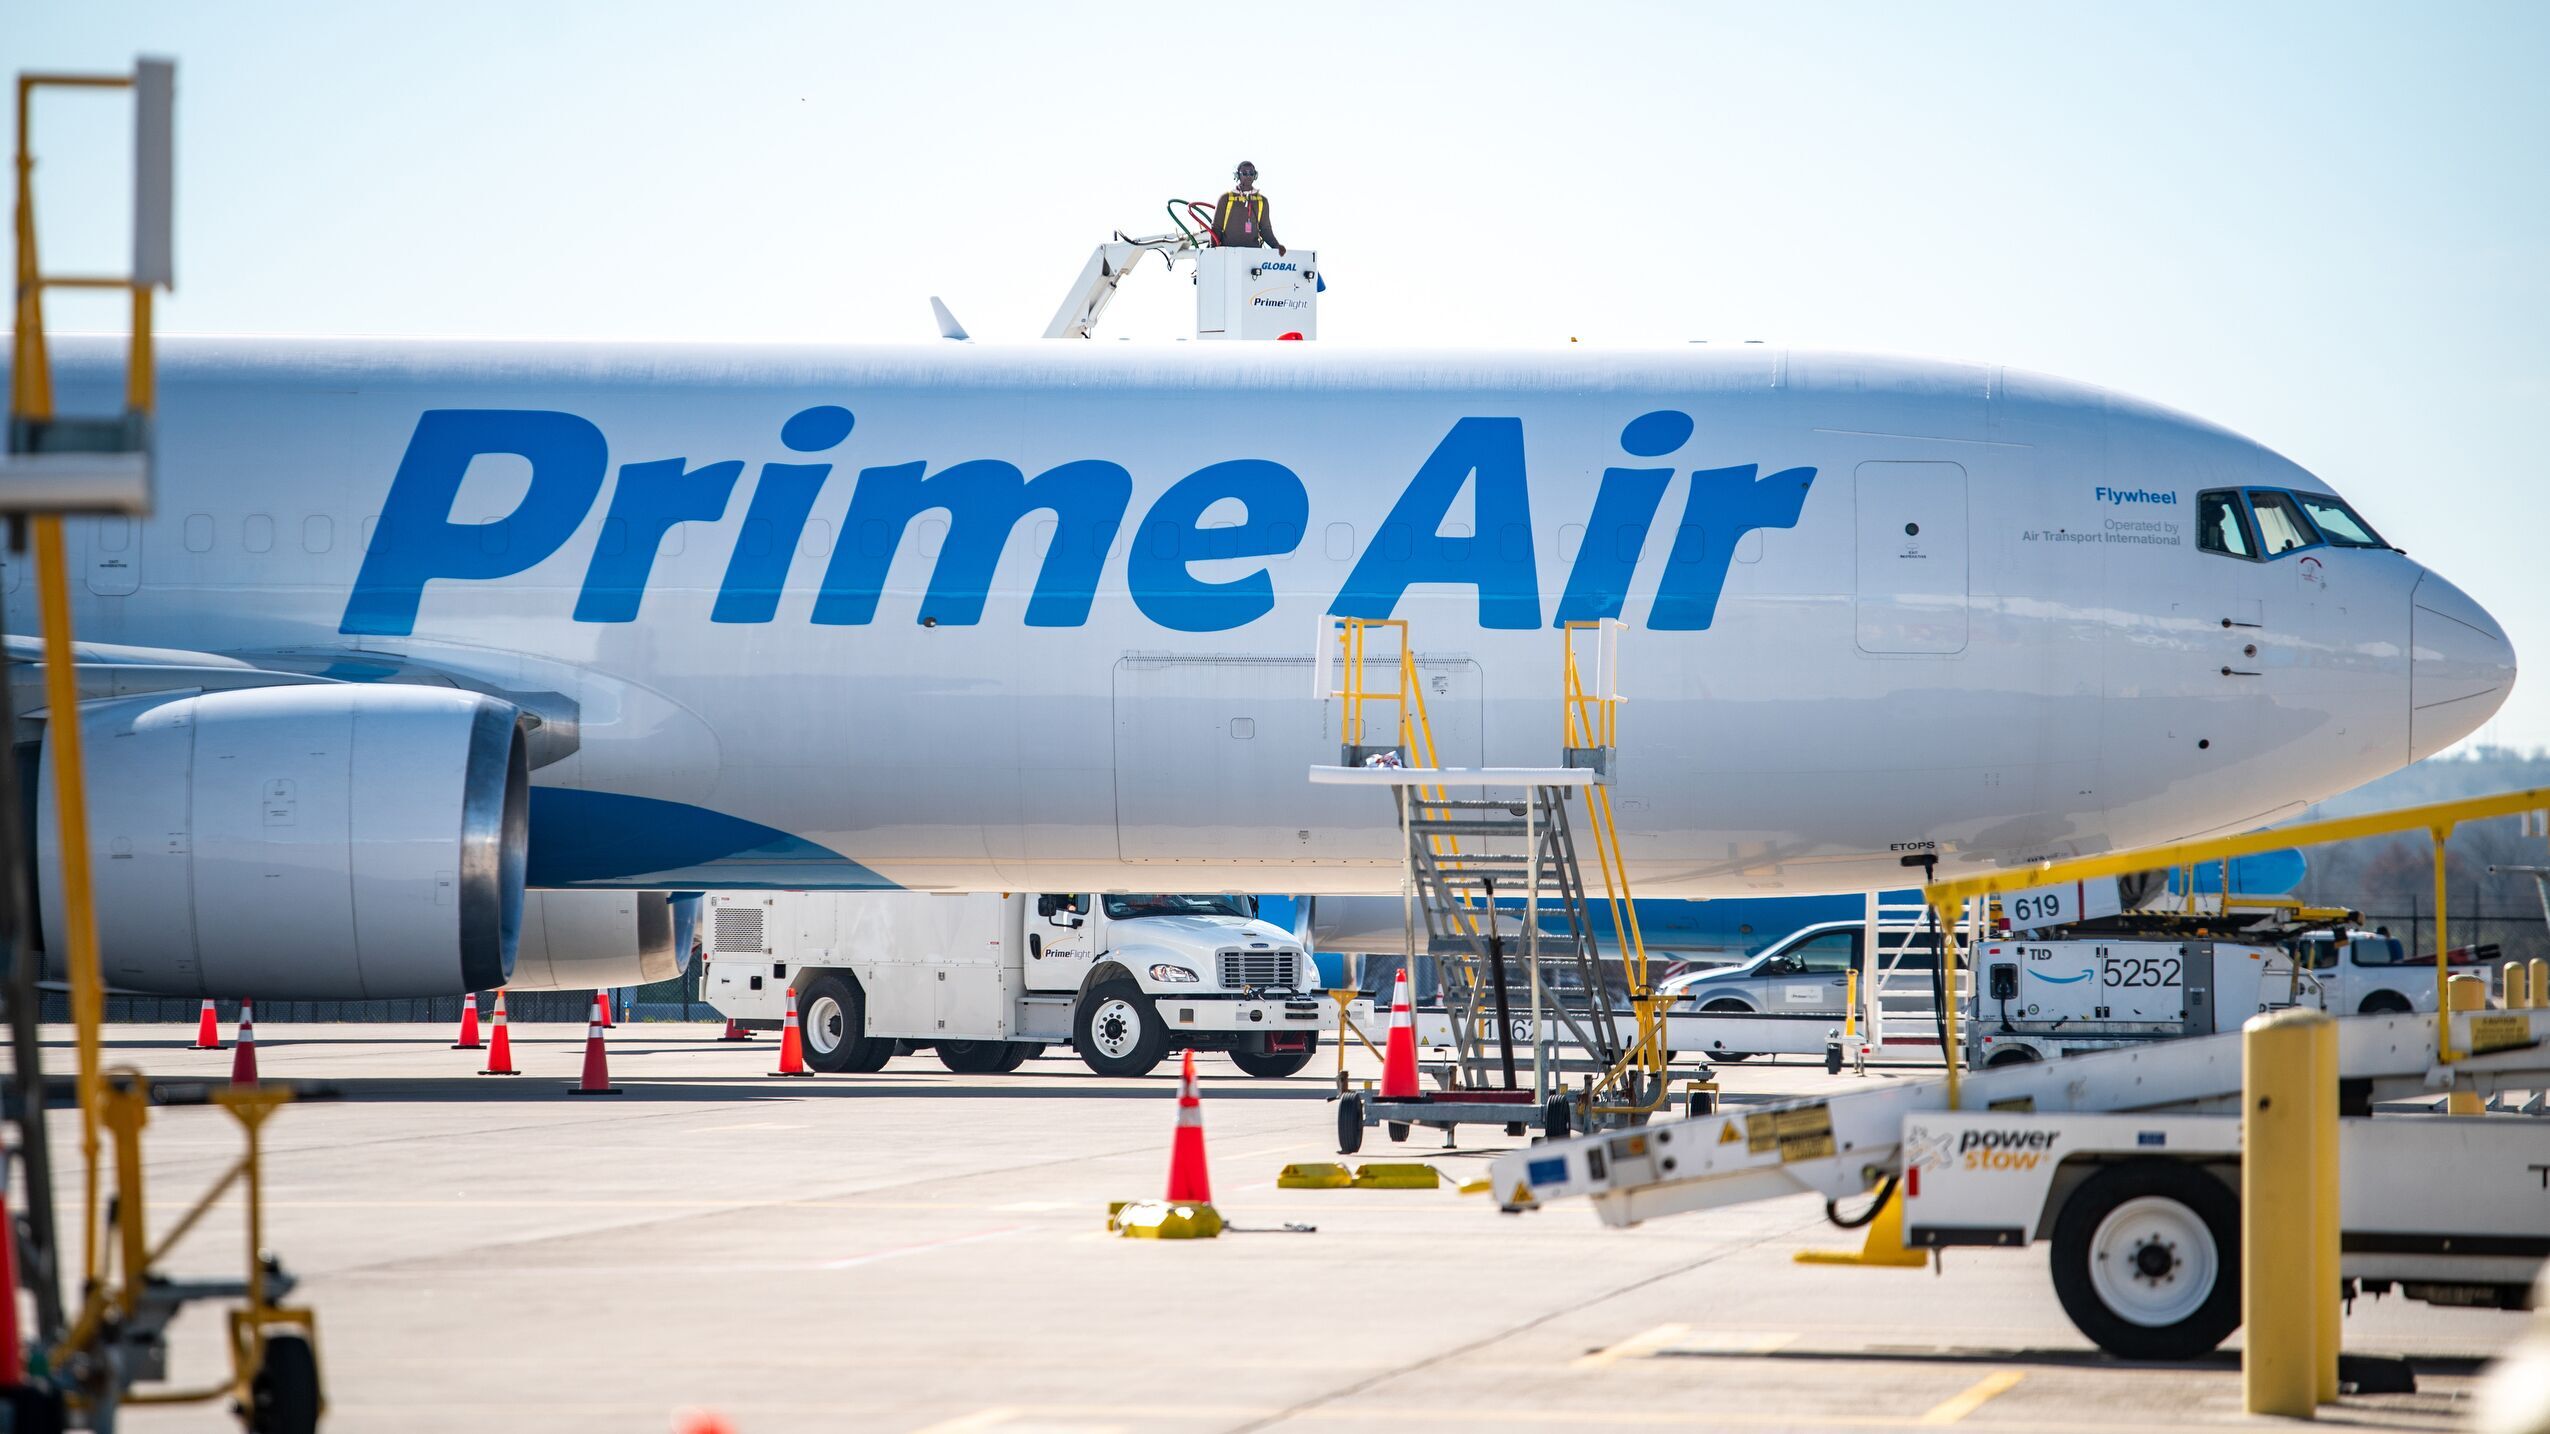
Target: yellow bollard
x=2540 y=982
x=1850 y=1004
x=2281 y=1180
x=2514 y=984
x=2328 y=1307
x=2467 y=993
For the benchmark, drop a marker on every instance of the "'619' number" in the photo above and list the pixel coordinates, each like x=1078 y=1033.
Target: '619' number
x=2036 y=910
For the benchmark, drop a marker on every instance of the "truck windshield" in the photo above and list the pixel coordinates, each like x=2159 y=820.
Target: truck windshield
x=1143 y=903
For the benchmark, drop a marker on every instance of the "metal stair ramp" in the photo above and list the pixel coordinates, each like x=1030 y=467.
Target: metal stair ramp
x=1494 y=881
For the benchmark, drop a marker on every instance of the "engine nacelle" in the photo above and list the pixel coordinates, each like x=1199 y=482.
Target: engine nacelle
x=319 y=842
x=584 y=940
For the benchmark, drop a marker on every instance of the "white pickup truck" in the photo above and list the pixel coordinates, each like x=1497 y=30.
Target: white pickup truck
x=988 y=980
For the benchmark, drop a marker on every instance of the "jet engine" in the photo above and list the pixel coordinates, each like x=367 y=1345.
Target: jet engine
x=581 y=940
x=314 y=842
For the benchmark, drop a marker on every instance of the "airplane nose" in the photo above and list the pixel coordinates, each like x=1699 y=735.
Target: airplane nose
x=2461 y=667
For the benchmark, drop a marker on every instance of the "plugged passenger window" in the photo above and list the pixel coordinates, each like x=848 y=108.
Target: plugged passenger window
x=2221 y=527
x=2281 y=526
x=2338 y=522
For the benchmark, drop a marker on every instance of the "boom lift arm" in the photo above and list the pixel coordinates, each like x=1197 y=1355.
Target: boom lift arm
x=1107 y=266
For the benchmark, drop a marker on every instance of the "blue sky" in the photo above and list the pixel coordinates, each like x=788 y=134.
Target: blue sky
x=2323 y=225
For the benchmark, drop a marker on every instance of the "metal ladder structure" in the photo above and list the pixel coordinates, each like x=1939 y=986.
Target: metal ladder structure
x=1495 y=883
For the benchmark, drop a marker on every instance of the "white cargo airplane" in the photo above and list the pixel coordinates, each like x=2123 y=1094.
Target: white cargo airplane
x=417 y=624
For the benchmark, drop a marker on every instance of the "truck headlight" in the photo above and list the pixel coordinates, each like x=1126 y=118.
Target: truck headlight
x=1164 y=972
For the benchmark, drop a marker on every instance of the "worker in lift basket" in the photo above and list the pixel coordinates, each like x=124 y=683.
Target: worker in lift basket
x=1239 y=221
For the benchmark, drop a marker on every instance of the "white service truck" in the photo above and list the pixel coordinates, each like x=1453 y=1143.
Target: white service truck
x=2127 y=1163
x=2036 y=1000
x=988 y=980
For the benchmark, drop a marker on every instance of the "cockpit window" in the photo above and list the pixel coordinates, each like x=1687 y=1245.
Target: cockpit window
x=2338 y=523
x=2220 y=525
x=2280 y=522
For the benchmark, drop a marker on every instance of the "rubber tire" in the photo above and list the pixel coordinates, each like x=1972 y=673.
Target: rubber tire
x=854 y=1016
x=1728 y=1008
x=2208 y=1199
x=1698 y=1103
x=1557 y=1119
x=284 y=1397
x=2010 y=1058
x=1018 y=1054
x=2385 y=1003
x=1275 y=1065
x=1150 y=1047
x=1398 y=1129
x=974 y=1057
x=871 y=1056
x=1350 y=1124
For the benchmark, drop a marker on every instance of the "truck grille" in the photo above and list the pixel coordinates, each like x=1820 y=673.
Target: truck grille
x=1262 y=970
x=737 y=929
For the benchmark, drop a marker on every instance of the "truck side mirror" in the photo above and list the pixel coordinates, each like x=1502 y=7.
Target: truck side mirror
x=1048 y=905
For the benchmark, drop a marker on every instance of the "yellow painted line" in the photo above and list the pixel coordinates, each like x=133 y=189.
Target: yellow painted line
x=1637 y=1346
x=1980 y=1393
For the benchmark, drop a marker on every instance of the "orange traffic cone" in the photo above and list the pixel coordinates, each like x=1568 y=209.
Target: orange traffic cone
x=500 y=1051
x=243 y=1061
x=735 y=1031
x=1189 y=1184
x=602 y=1003
x=1399 y=1056
x=468 y=1023
x=792 y=1043
x=597 y=1070
x=208 y=1029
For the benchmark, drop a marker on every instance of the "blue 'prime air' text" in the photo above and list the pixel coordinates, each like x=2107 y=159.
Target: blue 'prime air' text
x=417 y=542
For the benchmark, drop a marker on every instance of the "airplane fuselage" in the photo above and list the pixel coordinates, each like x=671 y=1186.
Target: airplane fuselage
x=1043 y=618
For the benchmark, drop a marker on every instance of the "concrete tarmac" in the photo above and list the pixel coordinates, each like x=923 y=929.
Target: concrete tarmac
x=922 y=1251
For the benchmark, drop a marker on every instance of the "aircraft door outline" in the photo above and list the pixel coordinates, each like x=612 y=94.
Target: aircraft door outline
x=1914 y=589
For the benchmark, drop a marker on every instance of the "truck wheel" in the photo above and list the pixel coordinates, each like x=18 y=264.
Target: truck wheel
x=2013 y=1056
x=1728 y=1008
x=1018 y=1054
x=974 y=1057
x=285 y=1394
x=1350 y=1124
x=1118 y=1031
x=2384 y=1003
x=830 y=1016
x=2147 y=1260
x=1275 y=1065
x=870 y=1055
